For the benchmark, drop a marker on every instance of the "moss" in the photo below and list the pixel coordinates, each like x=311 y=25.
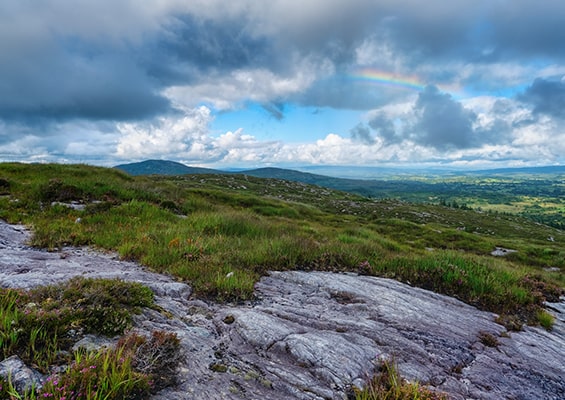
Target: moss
x=218 y=367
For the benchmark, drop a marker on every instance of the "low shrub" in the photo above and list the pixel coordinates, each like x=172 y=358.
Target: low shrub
x=488 y=339
x=106 y=374
x=41 y=325
x=57 y=190
x=102 y=306
x=36 y=325
x=157 y=357
x=136 y=367
x=4 y=186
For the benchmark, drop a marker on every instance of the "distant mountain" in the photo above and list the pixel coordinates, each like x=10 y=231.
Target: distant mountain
x=370 y=188
x=162 y=167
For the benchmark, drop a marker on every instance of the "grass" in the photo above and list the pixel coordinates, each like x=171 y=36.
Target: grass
x=41 y=325
x=38 y=324
x=221 y=233
x=387 y=384
x=488 y=283
x=545 y=319
x=133 y=369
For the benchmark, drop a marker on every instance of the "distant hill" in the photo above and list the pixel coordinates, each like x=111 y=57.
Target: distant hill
x=289 y=175
x=314 y=174
x=358 y=186
x=162 y=167
x=364 y=187
x=514 y=190
x=412 y=187
x=553 y=169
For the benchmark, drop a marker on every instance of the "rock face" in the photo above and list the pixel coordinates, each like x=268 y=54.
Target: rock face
x=313 y=335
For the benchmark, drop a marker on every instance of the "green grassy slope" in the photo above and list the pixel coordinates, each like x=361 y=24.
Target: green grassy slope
x=535 y=193
x=221 y=232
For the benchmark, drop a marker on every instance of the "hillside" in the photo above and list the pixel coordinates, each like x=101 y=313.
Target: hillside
x=218 y=237
x=252 y=225
x=534 y=193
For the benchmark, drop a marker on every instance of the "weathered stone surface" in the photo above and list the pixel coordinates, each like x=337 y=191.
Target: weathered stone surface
x=92 y=343
x=327 y=329
x=20 y=376
x=312 y=335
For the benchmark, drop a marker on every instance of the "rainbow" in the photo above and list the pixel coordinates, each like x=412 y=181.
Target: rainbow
x=387 y=78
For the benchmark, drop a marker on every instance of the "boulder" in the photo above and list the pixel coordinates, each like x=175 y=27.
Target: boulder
x=21 y=377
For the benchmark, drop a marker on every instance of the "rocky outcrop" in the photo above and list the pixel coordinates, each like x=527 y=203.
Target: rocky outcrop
x=311 y=335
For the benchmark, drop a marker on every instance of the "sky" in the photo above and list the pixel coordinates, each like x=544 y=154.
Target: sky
x=248 y=83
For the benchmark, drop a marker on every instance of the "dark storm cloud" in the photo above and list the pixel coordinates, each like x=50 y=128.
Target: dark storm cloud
x=443 y=123
x=423 y=34
x=546 y=96
x=528 y=28
x=438 y=121
x=59 y=83
x=191 y=46
x=205 y=44
x=362 y=133
x=64 y=65
x=384 y=128
x=475 y=31
x=70 y=72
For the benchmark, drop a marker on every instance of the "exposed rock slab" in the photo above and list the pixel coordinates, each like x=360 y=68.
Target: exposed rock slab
x=312 y=335
x=334 y=326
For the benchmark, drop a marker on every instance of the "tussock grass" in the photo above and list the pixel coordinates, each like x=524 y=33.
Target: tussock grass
x=545 y=319
x=387 y=384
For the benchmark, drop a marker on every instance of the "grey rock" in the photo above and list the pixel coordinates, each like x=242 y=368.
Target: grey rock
x=20 y=376
x=93 y=343
x=502 y=252
x=312 y=335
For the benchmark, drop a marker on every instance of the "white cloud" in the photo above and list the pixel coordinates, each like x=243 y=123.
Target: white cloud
x=166 y=136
